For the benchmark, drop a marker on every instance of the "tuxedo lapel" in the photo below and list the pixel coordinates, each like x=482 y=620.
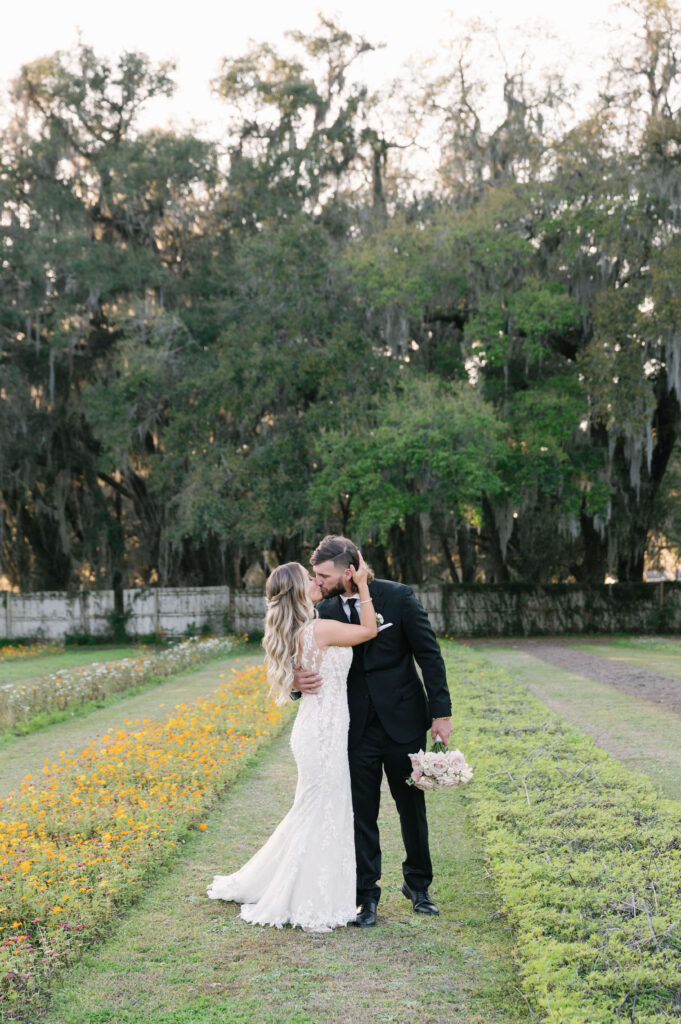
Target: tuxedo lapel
x=377 y=598
x=376 y=648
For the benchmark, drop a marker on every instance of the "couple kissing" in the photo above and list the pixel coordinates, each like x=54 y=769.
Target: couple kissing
x=346 y=647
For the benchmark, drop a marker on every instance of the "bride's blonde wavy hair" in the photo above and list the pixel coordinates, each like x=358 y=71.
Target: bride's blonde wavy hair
x=289 y=609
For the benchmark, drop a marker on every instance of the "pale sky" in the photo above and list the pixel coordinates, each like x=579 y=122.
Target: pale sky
x=197 y=33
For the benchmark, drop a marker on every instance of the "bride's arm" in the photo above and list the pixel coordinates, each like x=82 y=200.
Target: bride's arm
x=329 y=633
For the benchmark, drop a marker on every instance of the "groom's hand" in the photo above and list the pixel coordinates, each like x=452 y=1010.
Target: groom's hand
x=307 y=682
x=441 y=727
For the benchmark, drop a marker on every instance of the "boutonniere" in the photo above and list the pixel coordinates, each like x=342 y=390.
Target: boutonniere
x=379 y=619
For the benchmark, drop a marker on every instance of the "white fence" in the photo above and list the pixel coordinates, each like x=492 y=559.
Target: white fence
x=478 y=610
x=158 y=610
x=161 y=610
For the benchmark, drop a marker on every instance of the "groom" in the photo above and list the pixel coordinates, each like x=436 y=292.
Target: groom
x=390 y=711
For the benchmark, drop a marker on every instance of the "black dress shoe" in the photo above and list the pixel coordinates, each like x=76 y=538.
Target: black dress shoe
x=366 y=918
x=420 y=899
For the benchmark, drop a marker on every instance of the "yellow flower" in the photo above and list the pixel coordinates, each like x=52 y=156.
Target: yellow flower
x=124 y=799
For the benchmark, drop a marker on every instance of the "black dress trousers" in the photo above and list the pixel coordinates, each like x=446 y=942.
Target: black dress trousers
x=368 y=759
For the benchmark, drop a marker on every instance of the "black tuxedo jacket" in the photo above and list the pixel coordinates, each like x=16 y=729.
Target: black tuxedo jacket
x=383 y=670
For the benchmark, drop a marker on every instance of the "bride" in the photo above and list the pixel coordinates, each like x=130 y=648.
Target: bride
x=305 y=873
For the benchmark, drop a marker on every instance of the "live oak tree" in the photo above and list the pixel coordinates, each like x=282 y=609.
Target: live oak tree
x=212 y=352
x=93 y=228
x=427 y=451
x=543 y=276
x=301 y=131
x=611 y=232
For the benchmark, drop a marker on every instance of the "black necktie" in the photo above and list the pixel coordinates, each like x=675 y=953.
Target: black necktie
x=354 y=614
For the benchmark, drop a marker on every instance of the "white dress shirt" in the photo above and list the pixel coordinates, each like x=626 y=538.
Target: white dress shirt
x=347 y=608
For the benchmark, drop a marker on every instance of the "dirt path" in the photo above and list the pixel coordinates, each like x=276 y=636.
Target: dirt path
x=639 y=682
x=180 y=958
x=638 y=731
x=22 y=754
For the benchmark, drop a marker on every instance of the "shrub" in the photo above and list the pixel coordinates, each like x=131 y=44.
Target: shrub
x=22 y=702
x=585 y=854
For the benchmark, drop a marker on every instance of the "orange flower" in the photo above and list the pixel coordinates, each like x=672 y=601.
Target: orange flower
x=96 y=820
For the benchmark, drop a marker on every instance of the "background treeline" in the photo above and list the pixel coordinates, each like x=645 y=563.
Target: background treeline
x=443 y=321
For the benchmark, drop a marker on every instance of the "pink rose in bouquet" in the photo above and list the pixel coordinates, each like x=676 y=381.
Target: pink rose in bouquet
x=438 y=767
x=436 y=764
x=425 y=782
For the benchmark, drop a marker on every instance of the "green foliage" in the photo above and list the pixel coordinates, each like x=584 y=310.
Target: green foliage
x=188 y=339
x=426 y=448
x=296 y=132
x=394 y=267
x=118 y=621
x=584 y=854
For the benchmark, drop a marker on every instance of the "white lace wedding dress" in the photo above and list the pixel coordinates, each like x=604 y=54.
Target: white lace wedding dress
x=305 y=873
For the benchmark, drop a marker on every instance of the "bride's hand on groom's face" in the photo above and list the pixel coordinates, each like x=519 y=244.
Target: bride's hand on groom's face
x=361 y=573
x=307 y=682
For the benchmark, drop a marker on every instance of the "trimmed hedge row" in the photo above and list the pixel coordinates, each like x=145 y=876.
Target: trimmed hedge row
x=586 y=856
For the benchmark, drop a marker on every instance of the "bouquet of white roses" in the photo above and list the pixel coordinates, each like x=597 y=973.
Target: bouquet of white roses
x=438 y=767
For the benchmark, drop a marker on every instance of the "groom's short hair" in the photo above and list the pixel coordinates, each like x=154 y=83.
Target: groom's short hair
x=339 y=550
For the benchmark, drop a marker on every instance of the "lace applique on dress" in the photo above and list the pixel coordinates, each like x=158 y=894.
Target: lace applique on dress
x=305 y=873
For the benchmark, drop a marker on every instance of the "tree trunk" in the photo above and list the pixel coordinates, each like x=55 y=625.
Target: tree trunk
x=377 y=558
x=406 y=547
x=117 y=541
x=449 y=559
x=490 y=536
x=594 y=564
x=466 y=546
x=287 y=547
x=635 y=508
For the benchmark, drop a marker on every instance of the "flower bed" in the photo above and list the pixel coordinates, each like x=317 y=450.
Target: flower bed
x=585 y=854
x=20 y=702
x=11 y=652
x=84 y=837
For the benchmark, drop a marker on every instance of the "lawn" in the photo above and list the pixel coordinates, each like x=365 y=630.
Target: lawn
x=180 y=958
x=652 y=653
x=39 y=665
x=557 y=872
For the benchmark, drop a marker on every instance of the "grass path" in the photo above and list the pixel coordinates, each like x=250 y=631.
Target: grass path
x=636 y=731
x=180 y=958
x=665 y=660
x=623 y=674
x=24 y=670
x=22 y=754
